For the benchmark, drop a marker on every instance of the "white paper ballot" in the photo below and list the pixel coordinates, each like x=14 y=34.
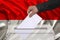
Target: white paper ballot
x=30 y=22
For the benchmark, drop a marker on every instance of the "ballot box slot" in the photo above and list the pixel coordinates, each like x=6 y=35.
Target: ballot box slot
x=30 y=28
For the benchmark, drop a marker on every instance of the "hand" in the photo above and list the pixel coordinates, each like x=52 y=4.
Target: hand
x=32 y=9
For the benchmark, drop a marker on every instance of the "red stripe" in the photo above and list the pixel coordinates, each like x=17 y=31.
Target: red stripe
x=17 y=10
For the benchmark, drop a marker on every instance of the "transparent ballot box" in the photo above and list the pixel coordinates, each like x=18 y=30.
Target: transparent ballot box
x=35 y=33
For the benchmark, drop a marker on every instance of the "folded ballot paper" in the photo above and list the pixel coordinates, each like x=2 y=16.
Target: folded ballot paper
x=28 y=23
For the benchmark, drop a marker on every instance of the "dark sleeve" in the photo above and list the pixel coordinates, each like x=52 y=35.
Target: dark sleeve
x=51 y=4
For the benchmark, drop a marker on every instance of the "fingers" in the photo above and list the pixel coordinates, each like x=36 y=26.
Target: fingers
x=32 y=14
x=32 y=9
x=29 y=9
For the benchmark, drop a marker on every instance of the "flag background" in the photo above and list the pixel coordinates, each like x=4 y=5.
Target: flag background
x=17 y=10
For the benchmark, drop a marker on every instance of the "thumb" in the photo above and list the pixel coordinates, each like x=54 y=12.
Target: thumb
x=32 y=13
